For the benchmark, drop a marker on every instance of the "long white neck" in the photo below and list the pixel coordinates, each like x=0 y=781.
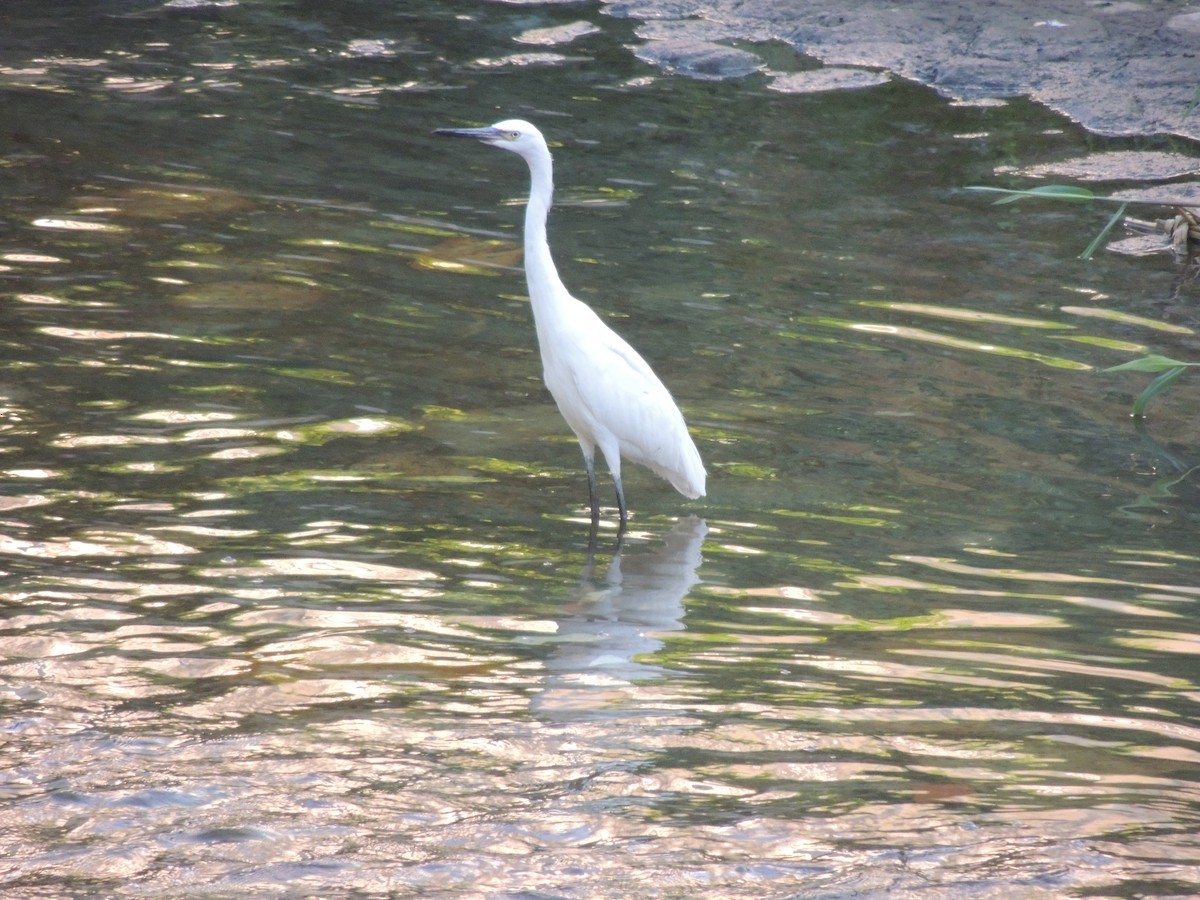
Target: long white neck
x=545 y=287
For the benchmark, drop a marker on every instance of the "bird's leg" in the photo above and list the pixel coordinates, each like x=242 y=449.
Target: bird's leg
x=593 y=541
x=612 y=456
x=621 y=500
x=589 y=462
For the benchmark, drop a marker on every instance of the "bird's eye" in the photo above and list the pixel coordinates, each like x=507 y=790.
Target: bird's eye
x=513 y=135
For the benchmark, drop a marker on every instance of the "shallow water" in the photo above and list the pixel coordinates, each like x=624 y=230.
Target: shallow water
x=297 y=596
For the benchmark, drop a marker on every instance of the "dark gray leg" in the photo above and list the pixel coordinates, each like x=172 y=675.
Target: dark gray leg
x=612 y=456
x=621 y=501
x=589 y=463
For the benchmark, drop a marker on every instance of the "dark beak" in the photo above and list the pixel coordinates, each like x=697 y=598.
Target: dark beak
x=479 y=134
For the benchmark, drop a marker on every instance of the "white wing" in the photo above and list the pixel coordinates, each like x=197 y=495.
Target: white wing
x=611 y=397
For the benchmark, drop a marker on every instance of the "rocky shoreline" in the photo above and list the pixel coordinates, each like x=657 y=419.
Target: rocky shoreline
x=1116 y=68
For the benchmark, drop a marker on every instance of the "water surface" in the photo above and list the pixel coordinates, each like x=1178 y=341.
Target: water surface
x=298 y=597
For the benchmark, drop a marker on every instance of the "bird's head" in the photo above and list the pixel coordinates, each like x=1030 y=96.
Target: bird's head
x=515 y=135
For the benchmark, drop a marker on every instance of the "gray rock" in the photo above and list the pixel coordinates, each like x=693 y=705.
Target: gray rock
x=1117 y=68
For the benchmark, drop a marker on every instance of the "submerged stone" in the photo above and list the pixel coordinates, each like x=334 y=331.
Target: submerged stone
x=833 y=78
x=698 y=59
x=264 y=295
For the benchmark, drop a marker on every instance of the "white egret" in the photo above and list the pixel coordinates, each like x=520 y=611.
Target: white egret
x=608 y=394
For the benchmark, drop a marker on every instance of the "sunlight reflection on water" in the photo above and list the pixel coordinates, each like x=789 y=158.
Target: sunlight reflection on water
x=297 y=594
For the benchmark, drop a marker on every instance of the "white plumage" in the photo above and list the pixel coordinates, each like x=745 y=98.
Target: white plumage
x=608 y=394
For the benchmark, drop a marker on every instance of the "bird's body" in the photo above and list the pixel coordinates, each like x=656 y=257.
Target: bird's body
x=608 y=394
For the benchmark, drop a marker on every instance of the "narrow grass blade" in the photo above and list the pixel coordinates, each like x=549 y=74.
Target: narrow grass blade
x=1150 y=363
x=1154 y=388
x=1045 y=192
x=1099 y=239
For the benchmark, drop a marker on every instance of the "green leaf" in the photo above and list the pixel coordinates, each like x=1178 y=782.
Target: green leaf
x=1099 y=239
x=1045 y=192
x=1156 y=387
x=1151 y=363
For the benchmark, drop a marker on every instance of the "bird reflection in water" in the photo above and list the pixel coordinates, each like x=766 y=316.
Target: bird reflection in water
x=617 y=620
